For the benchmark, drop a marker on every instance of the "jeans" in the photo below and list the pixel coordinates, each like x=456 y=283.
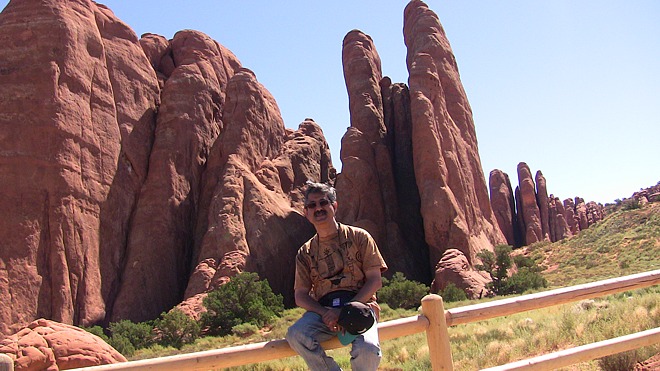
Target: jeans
x=309 y=331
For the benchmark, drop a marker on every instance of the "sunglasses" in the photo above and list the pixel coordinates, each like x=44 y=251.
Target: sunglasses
x=322 y=202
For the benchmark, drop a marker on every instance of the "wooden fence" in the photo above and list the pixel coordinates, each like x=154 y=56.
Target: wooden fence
x=435 y=320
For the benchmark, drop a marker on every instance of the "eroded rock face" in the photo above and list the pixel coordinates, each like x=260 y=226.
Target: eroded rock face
x=454 y=197
x=569 y=215
x=531 y=215
x=411 y=172
x=504 y=206
x=78 y=115
x=377 y=189
x=559 y=228
x=49 y=345
x=542 y=202
x=107 y=143
x=189 y=121
x=247 y=220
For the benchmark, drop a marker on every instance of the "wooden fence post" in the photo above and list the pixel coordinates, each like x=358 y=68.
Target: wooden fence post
x=437 y=335
x=6 y=363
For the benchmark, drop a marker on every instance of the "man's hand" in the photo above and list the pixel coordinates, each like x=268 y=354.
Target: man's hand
x=330 y=318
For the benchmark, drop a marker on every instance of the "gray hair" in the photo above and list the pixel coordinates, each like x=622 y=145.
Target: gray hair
x=321 y=188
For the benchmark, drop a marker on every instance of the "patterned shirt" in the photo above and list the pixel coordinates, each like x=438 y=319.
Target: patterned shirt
x=337 y=263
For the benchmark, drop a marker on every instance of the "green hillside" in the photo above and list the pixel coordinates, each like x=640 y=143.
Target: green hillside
x=624 y=242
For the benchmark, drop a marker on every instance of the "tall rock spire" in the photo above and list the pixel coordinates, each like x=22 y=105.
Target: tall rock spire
x=454 y=196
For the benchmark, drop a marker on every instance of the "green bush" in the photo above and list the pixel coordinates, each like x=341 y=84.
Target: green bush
x=122 y=345
x=452 y=293
x=176 y=329
x=498 y=264
x=139 y=335
x=398 y=292
x=244 y=299
x=631 y=204
x=525 y=279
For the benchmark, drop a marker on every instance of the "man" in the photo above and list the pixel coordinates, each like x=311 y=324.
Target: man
x=340 y=264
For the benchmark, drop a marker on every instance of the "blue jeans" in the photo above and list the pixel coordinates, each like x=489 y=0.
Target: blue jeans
x=306 y=335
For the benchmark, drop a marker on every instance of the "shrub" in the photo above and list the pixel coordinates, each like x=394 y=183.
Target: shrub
x=497 y=265
x=631 y=204
x=620 y=361
x=244 y=299
x=452 y=293
x=244 y=329
x=401 y=293
x=525 y=279
x=176 y=328
x=139 y=335
x=122 y=345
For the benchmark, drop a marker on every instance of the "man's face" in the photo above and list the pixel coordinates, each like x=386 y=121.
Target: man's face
x=319 y=209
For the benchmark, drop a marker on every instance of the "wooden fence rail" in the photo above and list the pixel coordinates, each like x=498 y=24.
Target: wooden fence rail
x=435 y=320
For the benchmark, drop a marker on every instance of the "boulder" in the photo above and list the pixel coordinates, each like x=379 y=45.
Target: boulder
x=455 y=268
x=46 y=345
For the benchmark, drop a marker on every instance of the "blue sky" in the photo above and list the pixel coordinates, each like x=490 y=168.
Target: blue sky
x=570 y=87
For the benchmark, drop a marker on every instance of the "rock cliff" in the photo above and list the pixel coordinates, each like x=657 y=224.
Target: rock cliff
x=144 y=172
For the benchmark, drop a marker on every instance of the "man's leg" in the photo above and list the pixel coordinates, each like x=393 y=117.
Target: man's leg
x=305 y=337
x=366 y=354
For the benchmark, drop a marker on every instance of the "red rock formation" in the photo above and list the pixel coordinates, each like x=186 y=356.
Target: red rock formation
x=531 y=215
x=534 y=210
x=78 y=113
x=80 y=148
x=377 y=188
x=48 y=345
x=581 y=213
x=189 y=121
x=454 y=197
x=149 y=172
x=542 y=202
x=411 y=171
x=594 y=213
x=559 y=229
x=569 y=215
x=246 y=219
x=504 y=206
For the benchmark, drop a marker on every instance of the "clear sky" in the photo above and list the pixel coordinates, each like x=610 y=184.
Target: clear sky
x=570 y=87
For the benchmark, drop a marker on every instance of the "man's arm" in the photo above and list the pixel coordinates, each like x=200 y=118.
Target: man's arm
x=373 y=282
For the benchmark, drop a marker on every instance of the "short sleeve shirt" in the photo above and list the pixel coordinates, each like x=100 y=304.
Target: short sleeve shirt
x=338 y=263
